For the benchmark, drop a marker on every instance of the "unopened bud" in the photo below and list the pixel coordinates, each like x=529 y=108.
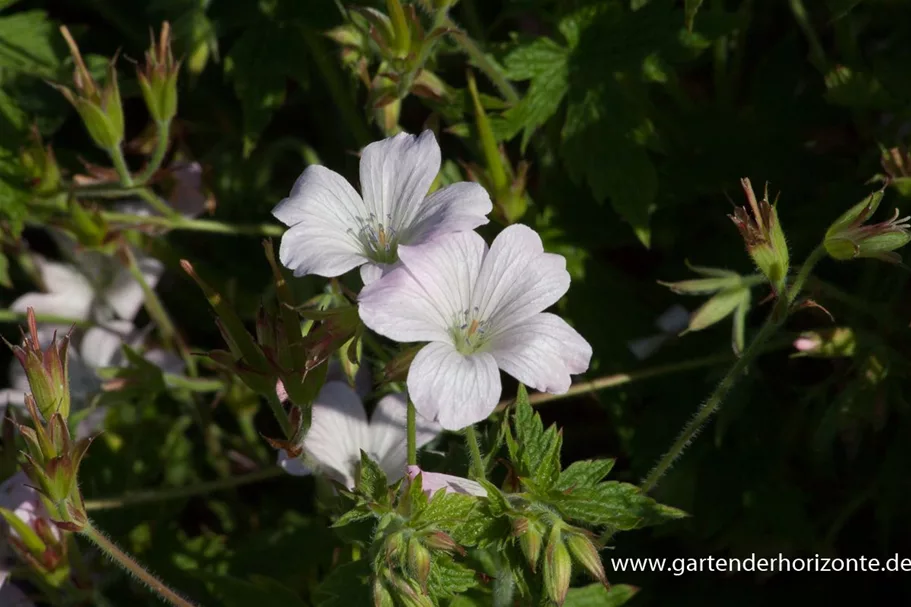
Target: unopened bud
x=158 y=78
x=584 y=552
x=419 y=561
x=531 y=537
x=381 y=596
x=558 y=566
x=765 y=242
x=850 y=237
x=437 y=540
x=46 y=369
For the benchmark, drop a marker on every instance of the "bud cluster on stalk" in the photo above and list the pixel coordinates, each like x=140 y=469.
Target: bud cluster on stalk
x=761 y=231
x=158 y=77
x=850 y=236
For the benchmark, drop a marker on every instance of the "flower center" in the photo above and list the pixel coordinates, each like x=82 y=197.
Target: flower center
x=469 y=332
x=380 y=240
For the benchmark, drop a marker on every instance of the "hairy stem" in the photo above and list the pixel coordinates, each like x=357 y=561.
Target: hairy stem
x=161 y=495
x=163 y=134
x=412 y=435
x=132 y=567
x=493 y=71
x=474 y=451
x=771 y=325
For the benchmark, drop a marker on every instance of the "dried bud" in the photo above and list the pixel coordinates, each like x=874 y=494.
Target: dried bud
x=46 y=370
x=764 y=238
x=849 y=238
x=158 y=78
x=100 y=108
x=584 y=552
x=558 y=566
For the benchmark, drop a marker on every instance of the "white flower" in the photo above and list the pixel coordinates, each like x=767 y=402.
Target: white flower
x=480 y=309
x=339 y=431
x=431 y=482
x=333 y=230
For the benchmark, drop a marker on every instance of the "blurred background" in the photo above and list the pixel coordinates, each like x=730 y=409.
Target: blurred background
x=622 y=129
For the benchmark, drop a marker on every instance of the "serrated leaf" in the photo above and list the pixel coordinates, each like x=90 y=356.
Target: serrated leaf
x=449 y=578
x=444 y=508
x=544 y=62
x=536 y=451
x=346 y=586
x=596 y=595
x=497 y=502
x=620 y=506
x=583 y=474
x=372 y=480
x=31 y=44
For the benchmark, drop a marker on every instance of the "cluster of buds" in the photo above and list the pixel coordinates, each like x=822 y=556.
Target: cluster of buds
x=730 y=295
x=52 y=458
x=32 y=536
x=850 y=237
x=158 y=78
x=758 y=224
x=564 y=545
x=99 y=107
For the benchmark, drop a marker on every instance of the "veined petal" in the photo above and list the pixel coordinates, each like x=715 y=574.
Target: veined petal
x=100 y=345
x=518 y=279
x=455 y=208
x=396 y=174
x=292 y=465
x=454 y=389
x=431 y=482
x=372 y=271
x=542 y=352
x=446 y=270
x=338 y=431
x=125 y=294
x=324 y=215
x=389 y=434
x=397 y=307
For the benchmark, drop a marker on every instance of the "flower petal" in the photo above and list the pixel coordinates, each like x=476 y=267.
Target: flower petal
x=371 y=271
x=396 y=174
x=389 y=434
x=69 y=292
x=518 y=279
x=100 y=345
x=338 y=431
x=292 y=465
x=324 y=215
x=542 y=352
x=431 y=482
x=454 y=389
x=455 y=208
x=125 y=294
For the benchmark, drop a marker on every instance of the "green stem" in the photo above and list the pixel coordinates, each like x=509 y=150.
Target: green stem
x=163 y=133
x=162 y=495
x=132 y=567
x=192 y=384
x=281 y=416
x=120 y=165
x=412 y=435
x=493 y=71
x=158 y=204
x=197 y=225
x=771 y=325
x=21 y=317
x=817 y=54
x=474 y=450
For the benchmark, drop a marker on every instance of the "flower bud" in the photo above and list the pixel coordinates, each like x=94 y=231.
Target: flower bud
x=531 y=536
x=381 y=596
x=558 y=566
x=827 y=343
x=419 y=561
x=101 y=109
x=438 y=540
x=409 y=596
x=848 y=237
x=763 y=236
x=158 y=78
x=584 y=552
x=46 y=370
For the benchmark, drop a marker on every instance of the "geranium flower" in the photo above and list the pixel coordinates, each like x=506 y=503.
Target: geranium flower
x=333 y=230
x=480 y=309
x=431 y=482
x=339 y=431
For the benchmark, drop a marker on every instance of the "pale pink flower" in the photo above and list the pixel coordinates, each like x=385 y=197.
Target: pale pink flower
x=431 y=482
x=339 y=431
x=480 y=310
x=332 y=229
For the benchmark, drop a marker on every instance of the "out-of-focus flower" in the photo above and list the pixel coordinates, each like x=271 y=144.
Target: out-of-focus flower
x=480 y=309
x=333 y=230
x=339 y=431
x=674 y=320
x=431 y=482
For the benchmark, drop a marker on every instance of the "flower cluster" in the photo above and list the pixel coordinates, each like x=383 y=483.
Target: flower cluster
x=429 y=278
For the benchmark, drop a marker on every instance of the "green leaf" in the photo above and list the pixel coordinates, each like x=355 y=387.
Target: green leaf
x=718 y=307
x=620 y=506
x=259 y=590
x=583 y=474
x=544 y=62
x=597 y=595
x=346 y=586
x=535 y=452
x=372 y=480
x=445 y=508
x=31 y=44
x=449 y=578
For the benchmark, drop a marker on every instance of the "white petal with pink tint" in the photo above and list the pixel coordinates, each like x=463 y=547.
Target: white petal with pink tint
x=431 y=482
